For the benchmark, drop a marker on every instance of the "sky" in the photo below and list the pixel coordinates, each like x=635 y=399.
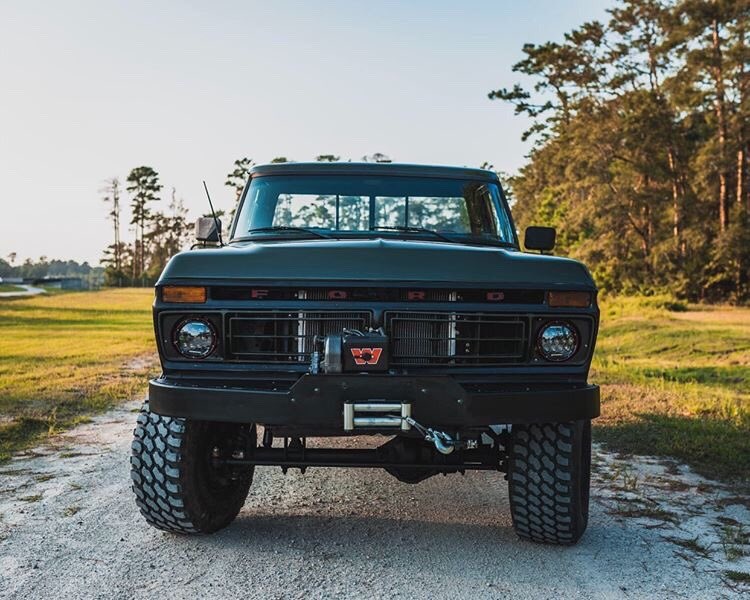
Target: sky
x=91 y=89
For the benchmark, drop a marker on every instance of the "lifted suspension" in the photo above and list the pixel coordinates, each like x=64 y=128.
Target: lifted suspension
x=398 y=454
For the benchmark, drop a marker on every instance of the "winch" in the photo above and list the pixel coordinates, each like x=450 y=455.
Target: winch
x=351 y=350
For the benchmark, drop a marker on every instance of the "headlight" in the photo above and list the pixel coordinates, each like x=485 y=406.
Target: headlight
x=557 y=341
x=195 y=338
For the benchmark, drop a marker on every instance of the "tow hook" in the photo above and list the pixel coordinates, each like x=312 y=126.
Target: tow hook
x=444 y=443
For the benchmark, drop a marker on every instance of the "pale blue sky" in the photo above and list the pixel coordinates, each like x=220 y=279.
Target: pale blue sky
x=91 y=89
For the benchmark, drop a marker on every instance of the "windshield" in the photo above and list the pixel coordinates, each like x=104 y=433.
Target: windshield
x=359 y=205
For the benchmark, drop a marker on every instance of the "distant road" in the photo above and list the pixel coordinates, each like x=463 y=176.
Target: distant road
x=29 y=290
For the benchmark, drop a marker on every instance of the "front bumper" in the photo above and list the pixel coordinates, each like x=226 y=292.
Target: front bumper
x=317 y=401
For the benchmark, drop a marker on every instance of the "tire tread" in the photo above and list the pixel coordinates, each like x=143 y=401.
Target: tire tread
x=155 y=470
x=546 y=480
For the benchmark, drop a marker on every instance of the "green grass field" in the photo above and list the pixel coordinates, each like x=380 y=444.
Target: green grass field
x=66 y=356
x=675 y=382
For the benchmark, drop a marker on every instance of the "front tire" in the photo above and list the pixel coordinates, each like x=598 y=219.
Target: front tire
x=549 y=474
x=177 y=486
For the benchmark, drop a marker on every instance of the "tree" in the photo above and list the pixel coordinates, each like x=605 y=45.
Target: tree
x=111 y=193
x=711 y=39
x=377 y=157
x=280 y=159
x=237 y=179
x=327 y=158
x=168 y=235
x=143 y=184
x=701 y=40
x=6 y=270
x=117 y=261
x=640 y=143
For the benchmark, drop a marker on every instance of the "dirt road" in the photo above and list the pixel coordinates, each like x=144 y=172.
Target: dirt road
x=70 y=529
x=28 y=290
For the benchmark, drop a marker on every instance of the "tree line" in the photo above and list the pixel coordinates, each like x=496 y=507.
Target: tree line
x=641 y=138
x=159 y=234
x=11 y=267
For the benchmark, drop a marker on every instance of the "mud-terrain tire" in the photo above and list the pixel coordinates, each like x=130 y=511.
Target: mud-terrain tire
x=176 y=486
x=549 y=473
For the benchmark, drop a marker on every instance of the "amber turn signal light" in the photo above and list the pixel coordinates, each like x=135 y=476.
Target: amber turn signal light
x=569 y=299
x=183 y=294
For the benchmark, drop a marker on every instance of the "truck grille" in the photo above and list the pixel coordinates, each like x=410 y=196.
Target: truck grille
x=285 y=336
x=435 y=338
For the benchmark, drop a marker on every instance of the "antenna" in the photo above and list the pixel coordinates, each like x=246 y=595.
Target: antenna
x=217 y=223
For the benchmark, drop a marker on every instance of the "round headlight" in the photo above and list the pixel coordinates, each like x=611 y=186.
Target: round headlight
x=557 y=341
x=195 y=338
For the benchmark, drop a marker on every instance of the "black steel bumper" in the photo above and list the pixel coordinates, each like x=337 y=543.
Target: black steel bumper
x=317 y=401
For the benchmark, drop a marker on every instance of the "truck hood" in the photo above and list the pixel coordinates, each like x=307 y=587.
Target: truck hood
x=374 y=260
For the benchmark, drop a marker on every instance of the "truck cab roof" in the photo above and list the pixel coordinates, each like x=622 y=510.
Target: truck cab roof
x=373 y=169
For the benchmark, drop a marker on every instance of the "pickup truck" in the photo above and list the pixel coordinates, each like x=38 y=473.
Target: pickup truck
x=380 y=300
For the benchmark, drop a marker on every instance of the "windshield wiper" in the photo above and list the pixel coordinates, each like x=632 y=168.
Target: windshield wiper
x=460 y=239
x=416 y=230
x=482 y=241
x=284 y=228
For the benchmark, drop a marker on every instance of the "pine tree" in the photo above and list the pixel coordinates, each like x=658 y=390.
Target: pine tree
x=144 y=187
x=640 y=146
x=111 y=193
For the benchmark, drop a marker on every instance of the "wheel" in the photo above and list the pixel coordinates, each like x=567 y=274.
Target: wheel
x=549 y=473
x=176 y=484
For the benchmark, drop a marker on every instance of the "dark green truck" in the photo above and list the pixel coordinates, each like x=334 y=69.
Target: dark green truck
x=370 y=299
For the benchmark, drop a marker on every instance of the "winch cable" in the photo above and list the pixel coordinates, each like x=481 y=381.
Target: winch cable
x=444 y=443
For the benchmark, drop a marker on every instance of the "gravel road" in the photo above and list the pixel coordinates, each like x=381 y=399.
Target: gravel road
x=70 y=529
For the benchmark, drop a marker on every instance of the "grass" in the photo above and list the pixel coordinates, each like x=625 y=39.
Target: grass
x=737 y=576
x=31 y=499
x=65 y=357
x=675 y=378
x=693 y=545
x=8 y=287
x=735 y=541
x=645 y=512
x=676 y=382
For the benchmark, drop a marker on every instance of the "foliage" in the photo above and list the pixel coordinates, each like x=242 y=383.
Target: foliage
x=169 y=233
x=115 y=252
x=237 y=179
x=158 y=234
x=143 y=185
x=641 y=145
x=376 y=157
x=44 y=267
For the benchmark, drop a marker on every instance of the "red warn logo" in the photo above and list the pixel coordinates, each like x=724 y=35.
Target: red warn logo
x=366 y=356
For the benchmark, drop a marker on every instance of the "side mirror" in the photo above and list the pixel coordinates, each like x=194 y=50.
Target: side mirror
x=539 y=238
x=205 y=230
